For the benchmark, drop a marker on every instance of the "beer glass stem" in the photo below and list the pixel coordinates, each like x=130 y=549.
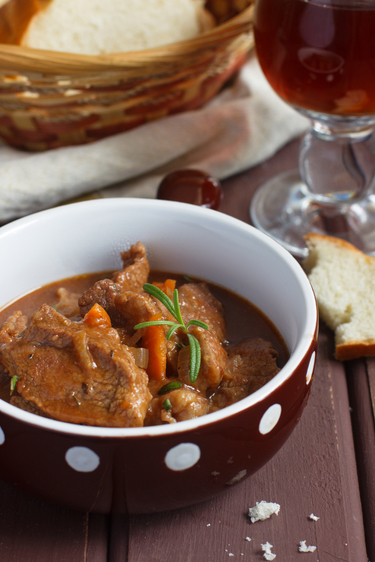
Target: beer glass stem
x=337 y=165
x=330 y=193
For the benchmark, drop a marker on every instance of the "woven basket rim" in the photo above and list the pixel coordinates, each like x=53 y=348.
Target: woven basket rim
x=38 y=60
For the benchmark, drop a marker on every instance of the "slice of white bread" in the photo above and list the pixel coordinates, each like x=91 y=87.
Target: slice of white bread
x=343 y=279
x=94 y=27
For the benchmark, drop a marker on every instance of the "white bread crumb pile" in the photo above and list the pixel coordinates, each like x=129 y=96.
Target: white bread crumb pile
x=94 y=27
x=304 y=548
x=266 y=548
x=263 y=510
x=343 y=279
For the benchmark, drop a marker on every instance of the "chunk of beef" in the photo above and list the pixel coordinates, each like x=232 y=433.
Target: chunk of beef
x=197 y=301
x=134 y=308
x=186 y=404
x=104 y=292
x=77 y=373
x=251 y=364
x=214 y=360
x=136 y=269
x=27 y=406
x=131 y=278
x=130 y=308
x=13 y=326
x=67 y=303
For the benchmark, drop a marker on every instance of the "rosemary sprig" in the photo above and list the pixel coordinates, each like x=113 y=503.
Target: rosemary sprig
x=174 y=308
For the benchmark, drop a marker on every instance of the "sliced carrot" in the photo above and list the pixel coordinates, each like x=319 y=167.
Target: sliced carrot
x=97 y=317
x=155 y=341
x=169 y=286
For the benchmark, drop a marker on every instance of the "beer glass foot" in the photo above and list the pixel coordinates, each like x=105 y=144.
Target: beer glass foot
x=283 y=209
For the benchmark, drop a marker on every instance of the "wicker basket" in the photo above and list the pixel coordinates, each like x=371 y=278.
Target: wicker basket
x=50 y=99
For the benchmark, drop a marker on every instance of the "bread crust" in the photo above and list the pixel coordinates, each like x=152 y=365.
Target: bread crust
x=354 y=350
x=15 y=17
x=313 y=238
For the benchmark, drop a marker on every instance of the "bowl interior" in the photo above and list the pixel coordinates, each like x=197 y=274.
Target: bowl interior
x=88 y=237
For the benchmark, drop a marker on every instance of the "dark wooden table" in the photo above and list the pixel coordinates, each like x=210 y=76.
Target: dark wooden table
x=327 y=468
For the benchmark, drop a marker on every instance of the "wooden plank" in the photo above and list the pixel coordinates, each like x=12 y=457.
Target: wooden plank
x=358 y=374
x=118 y=540
x=97 y=530
x=371 y=383
x=313 y=473
x=348 y=465
x=36 y=531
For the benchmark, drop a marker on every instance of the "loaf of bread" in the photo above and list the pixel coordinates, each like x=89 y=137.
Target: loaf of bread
x=94 y=27
x=343 y=279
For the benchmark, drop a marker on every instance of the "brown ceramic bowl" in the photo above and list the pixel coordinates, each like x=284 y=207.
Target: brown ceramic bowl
x=108 y=469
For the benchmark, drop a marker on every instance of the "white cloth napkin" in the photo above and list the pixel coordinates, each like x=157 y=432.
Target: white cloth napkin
x=245 y=124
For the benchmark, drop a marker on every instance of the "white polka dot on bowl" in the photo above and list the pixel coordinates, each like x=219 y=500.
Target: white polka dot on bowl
x=310 y=368
x=183 y=456
x=82 y=459
x=2 y=436
x=270 y=419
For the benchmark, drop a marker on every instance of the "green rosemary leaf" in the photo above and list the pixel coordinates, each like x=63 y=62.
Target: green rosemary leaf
x=154 y=323
x=177 y=308
x=173 y=328
x=13 y=383
x=167 y=405
x=197 y=323
x=173 y=385
x=162 y=297
x=195 y=357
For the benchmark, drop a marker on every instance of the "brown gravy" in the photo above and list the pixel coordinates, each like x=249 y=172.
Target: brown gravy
x=243 y=320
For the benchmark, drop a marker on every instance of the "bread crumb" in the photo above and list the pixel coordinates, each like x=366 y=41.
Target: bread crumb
x=247 y=539
x=263 y=510
x=304 y=548
x=313 y=517
x=268 y=555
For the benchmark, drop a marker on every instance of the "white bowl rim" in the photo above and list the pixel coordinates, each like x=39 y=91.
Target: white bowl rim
x=208 y=419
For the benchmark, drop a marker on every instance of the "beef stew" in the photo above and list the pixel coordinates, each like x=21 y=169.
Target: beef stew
x=73 y=353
